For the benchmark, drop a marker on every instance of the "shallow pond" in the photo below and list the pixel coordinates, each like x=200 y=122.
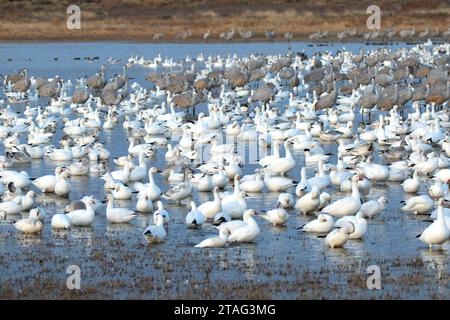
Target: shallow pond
x=283 y=263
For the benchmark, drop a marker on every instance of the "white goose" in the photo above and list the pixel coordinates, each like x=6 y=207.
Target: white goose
x=417 y=205
x=283 y=165
x=118 y=215
x=372 y=208
x=348 y=205
x=412 y=185
x=253 y=186
x=359 y=223
x=215 y=242
x=163 y=212
x=83 y=217
x=247 y=232
x=60 y=221
x=277 y=183
x=338 y=237
x=151 y=188
x=235 y=208
x=286 y=200
x=194 y=219
x=438 y=232
x=144 y=203
x=32 y=224
x=310 y=202
x=156 y=232
x=323 y=224
x=47 y=183
x=211 y=208
x=181 y=191
x=278 y=216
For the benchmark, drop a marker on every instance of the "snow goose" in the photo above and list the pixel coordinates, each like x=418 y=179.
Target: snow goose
x=60 y=221
x=412 y=185
x=309 y=202
x=417 y=205
x=83 y=217
x=247 y=232
x=121 y=192
x=282 y=165
x=194 y=219
x=359 y=224
x=118 y=215
x=278 y=216
x=253 y=186
x=438 y=189
x=32 y=224
x=215 y=242
x=372 y=208
x=235 y=207
x=348 y=205
x=151 y=188
x=47 y=183
x=438 y=232
x=338 y=237
x=144 y=203
x=155 y=233
x=211 y=208
x=62 y=185
x=286 y=200
x=323 y=224
x=277 y=183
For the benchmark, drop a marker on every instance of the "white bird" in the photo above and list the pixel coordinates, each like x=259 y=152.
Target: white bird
x=348 y=205
x=372 y=208
x=144 y=203
x=412 y=185
x=211 y=208
x=277 y=216
x=323 y=224
x=118 y=215
x=32 y=224
x=194 y=219
x=310 y=202
x=418 y=205
x=438 y=232
x=359 y=223
x=338 y=237
x=162 y=212
x=60 y=221
x=286 y=200
x=215 y=242
x=83 y=217
x=156 y=232
x=247 y=232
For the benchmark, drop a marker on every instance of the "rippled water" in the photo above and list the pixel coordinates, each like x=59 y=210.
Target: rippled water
x=116 y=262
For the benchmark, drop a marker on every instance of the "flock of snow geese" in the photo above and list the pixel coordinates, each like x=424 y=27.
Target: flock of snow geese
x=384 y=109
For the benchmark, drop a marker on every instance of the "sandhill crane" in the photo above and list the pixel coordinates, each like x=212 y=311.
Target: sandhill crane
x=14 y=77
x=97 y=81
x=206 y=35
x=158 y=36
x=185 y=34
x=227 y=35
x=342 y=35
x=270 y=35
x=81 y=93
x=246 y=35
x=288 y=36
x=424 y=33
x=446 y=34
x=50 y=89
x=22 y=85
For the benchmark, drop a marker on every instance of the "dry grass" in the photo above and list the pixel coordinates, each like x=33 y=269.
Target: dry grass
x=140 y=19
